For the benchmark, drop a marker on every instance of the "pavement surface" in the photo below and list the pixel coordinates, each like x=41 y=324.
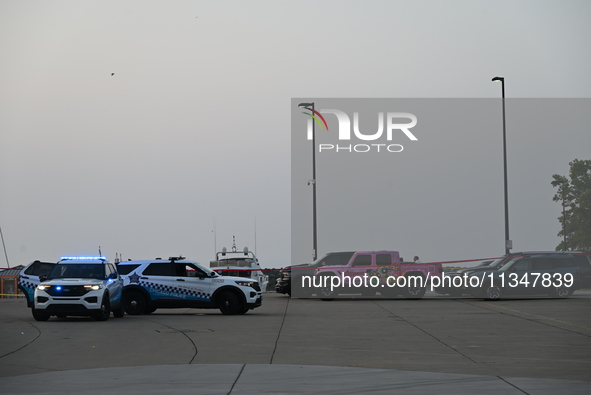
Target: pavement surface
x=307 y=346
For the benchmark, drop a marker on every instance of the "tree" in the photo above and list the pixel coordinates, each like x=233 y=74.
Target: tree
x=575 y=195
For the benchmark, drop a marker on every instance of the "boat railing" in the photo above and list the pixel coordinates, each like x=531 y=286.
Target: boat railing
x=232 y=262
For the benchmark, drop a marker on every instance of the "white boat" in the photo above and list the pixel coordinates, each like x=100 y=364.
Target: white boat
x=240 y=264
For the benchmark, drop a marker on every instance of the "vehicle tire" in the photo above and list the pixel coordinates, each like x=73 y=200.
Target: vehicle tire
x=413 y=291
x=561 y=292
x=491 y=292
x=149 y=310
x=40 y=315
x=119 y=312
x=229 y=304
x=243 y=310
x=325 y=292
x=135 y=303
x=105 y=310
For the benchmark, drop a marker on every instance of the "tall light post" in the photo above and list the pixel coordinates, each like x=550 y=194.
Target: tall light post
x=313 y=181
x=508 y=243
x=563 y=183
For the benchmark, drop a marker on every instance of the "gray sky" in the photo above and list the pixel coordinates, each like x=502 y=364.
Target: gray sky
x=193 y=129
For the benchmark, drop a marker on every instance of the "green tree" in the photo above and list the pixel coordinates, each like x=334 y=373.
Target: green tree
x=575 y=195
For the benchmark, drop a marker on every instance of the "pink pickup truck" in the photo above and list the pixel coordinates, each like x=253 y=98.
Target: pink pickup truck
x=370 y=272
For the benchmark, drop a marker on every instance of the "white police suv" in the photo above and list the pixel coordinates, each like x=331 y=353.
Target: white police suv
x=28 y=278
x=178 y=282
x=79 y=286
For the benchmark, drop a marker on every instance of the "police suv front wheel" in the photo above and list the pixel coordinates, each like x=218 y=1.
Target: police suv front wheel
x=105 y=310
x=229 y=304
x=40 y=315
x=134 y=303
x=118 y=312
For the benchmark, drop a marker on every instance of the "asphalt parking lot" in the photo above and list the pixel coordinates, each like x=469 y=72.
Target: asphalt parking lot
x=494 y=347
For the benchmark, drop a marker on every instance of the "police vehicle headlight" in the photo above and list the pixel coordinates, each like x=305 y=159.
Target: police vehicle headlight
x=93 y=287
x=286 y=274
x=246 y=283
x=42 y=287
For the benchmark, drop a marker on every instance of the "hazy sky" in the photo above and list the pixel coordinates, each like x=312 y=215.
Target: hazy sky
x=192 y=132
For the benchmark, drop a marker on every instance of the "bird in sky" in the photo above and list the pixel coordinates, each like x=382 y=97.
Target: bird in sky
x=112 y=74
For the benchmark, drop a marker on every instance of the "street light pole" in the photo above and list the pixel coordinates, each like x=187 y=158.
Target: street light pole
x=508 y=243
x=313 y=181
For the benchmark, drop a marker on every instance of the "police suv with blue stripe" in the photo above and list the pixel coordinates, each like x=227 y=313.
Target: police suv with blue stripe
x=28 y=278
x=181 y=283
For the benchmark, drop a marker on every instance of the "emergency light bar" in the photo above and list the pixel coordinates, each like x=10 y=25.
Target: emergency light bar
x=83 y=258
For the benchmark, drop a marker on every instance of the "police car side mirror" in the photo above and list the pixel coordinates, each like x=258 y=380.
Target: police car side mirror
x=199 y=274
x=43 y=277
x=112 y=276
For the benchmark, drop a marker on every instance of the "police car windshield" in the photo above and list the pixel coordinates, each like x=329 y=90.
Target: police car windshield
x=78 y=270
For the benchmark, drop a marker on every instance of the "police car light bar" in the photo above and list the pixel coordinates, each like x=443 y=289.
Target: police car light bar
x=82 y=258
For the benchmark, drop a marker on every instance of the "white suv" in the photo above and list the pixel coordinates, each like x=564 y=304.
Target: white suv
x=178 y=282
x=28 y=279
x=79 y=286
